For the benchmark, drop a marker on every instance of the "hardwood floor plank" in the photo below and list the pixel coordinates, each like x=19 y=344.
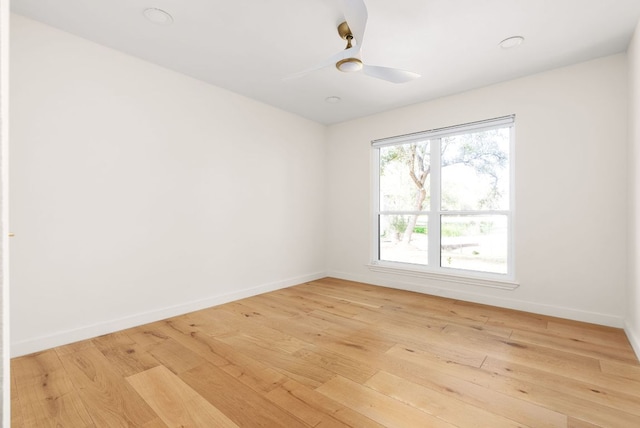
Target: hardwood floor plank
x=401 y=318
x=148 y=334
x=341 y=364
x=175 y=356
x=307 y=327
x=514 y=319
x=399 y=303
x=593 y=403
x=74 y=347
x=304 y=296
x=175 y=402
x=626 y=371
x=276 y=338
x=183 y=333
x=209 y=320
x=363 y=342
x=590 y=333
x=410 y=307
x=379 y=407
x=359 y=296
x=543 y=397
x=110 y=400
x=441 y=346
x=333 y=324
x=241 y=404
x=257 y=307
x=473 y=386
x=577 y=423
x=594 y=413
x=576 y=346
x=44 y=394
x=16 y=407
x=125 y=355
x=557 y=361
x=129 y=360
x=452 y=410
x=314 y=408
x=246 y=369
x=287 y=364
x=106 y=341
x=156 y=423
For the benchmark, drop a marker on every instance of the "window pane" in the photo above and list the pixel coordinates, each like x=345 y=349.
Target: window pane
x=404 y=177
x=474 y=243
x=475 y=171
x=404 y=238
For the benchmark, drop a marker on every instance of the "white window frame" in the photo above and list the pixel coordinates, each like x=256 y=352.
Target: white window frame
x=433 y=270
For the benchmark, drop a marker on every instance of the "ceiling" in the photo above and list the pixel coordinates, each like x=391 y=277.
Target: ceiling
x=249 y=46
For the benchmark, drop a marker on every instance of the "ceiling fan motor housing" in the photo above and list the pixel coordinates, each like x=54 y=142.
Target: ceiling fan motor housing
x=349 y=65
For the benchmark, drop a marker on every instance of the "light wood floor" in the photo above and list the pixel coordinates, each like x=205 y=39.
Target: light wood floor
x=333 y=353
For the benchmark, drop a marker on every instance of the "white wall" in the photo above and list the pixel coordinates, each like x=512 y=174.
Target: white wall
x=632 y=326
x=570 y=185
x=139 y=193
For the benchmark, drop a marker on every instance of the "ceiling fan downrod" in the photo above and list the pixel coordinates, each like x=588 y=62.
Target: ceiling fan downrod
x=347 y=65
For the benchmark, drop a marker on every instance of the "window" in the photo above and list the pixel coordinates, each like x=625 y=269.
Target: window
x=443 y=200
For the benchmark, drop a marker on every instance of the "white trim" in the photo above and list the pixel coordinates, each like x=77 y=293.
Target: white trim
x=633 y=338
x=374 y=227
x=511 y=243
x=501 y=302
x=434 y=220
x=36 y=344
x=463 y=278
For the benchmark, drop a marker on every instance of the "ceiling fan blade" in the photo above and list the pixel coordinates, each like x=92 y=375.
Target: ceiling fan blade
x=326 y=63
x=393 y=75
x=355 y=13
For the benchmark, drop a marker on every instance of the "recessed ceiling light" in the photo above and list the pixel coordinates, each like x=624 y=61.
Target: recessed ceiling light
x=333 y=100
x=158 y=16
x=511 y=42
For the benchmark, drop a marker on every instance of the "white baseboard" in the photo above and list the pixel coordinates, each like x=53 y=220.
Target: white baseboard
x=634 y=338
x=41 y=343
x=520 y=305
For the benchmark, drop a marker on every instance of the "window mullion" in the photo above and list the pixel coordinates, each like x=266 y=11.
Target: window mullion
x=375 y=201
x=434 y=204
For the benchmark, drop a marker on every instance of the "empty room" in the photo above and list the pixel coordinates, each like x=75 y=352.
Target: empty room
x=324 y=213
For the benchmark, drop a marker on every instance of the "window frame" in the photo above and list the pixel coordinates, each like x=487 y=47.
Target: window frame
x=435 y=212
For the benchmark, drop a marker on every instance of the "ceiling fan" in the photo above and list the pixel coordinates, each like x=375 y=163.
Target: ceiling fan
x=350 y=59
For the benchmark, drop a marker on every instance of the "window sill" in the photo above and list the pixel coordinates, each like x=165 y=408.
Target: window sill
x=502 y=284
